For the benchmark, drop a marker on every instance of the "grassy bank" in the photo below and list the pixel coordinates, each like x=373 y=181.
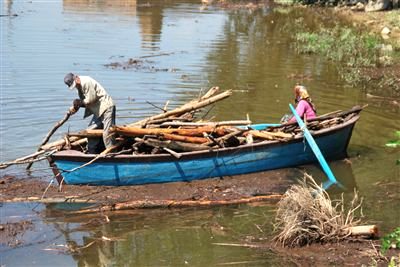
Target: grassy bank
x=343 y=45
x=362 y=57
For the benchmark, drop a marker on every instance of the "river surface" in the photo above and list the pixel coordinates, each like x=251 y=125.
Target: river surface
x=181 y=48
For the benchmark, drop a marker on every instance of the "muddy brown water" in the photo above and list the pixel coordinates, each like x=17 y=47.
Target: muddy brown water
x=175 y=49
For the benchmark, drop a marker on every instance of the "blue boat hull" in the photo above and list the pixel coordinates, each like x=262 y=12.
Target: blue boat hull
x=143 y=169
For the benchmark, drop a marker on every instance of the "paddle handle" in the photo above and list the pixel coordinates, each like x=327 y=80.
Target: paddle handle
x=314 y=146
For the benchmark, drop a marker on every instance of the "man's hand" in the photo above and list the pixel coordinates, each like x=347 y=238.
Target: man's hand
x=72 y=110
x=77 y=103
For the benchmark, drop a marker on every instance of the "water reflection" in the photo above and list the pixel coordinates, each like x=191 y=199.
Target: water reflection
x=162 y=238
x=120 y=7
x=150 y=20
x=343 y=172
x=257 y=57
x=149 y=14
x=8 y=7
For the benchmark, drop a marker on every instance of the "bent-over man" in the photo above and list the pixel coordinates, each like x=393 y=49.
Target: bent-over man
x=96 y=101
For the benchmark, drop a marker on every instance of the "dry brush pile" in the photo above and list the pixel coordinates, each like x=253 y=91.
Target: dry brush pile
x=306 y=215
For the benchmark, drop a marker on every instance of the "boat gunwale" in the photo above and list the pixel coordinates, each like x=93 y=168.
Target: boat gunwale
x=64 y=156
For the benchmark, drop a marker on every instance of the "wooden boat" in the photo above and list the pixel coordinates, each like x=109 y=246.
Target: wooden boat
x=161 y=168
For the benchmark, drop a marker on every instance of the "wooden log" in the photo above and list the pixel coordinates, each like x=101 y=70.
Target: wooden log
x=79 y=142
x=67 y=199
x=329 y=122
x=278 y=134
x=159 y=121
x=269 y=135
x=183 y=138
x=33 y=155
x=25 y=160
x=88 y=133
x=185 y=108
x=166 y=106
x=58 y=143
x=249 y=139
x=212 y=141
x=174 y=145
x=226 y=137
x=138 y=132
x=70 y=112
x=364 y=230
x=212 y=124
x=143 y=204
x=212 y=91
x=112 y=148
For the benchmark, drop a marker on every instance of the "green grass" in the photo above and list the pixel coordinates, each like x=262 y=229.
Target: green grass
x=391 y=240
x=353 y=49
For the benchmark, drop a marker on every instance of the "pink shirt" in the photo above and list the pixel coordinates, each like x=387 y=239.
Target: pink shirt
x=304 y=109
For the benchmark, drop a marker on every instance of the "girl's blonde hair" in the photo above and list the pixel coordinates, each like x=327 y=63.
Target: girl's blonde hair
x=301 y=91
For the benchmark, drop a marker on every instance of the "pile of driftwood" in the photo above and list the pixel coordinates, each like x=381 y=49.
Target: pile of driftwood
x=178 y=130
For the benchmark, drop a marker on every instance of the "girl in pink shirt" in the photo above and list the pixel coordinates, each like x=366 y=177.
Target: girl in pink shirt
x=304 y=106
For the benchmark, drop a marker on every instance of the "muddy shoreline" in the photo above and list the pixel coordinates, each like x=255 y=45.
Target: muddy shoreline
x=13 y=189
x=12 y=233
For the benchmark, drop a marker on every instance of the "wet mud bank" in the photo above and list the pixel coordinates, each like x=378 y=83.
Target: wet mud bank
x=347 y=253
x=14 y=189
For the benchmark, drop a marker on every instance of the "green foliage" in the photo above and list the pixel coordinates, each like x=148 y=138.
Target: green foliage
x=394 y=262
x=389 y=240
x=394 y=143
x=354 y=49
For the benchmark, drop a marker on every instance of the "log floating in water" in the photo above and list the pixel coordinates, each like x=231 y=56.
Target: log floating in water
x=66 y=199
x=141 y=204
